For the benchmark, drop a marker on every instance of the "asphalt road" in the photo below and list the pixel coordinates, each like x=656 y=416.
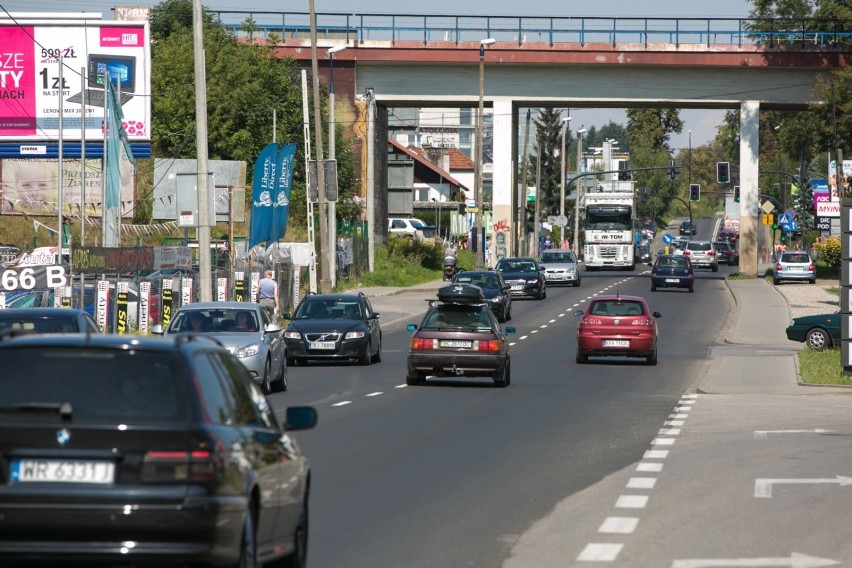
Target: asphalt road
x=458 y=473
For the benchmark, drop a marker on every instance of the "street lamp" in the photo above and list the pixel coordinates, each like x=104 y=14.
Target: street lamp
x=565 y=121
x=477 y=226
x=332 y=205
x=580 y=133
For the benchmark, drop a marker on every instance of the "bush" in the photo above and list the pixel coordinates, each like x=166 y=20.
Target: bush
x=416 y=252
x=828 y=251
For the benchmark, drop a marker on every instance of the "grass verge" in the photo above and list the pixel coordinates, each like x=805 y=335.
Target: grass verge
x=821 y=367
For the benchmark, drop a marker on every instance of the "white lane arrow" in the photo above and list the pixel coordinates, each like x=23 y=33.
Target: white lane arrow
x=763 y=487
x=795 y=560
x=763 y=434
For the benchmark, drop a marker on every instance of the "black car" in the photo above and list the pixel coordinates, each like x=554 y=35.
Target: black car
x=524 y=275
x=459 y=337
x=726 y=253
x=145 y=451
x=643 y=253
x=334 y=327
x=48 y=320
x=495 y=291
x=688 y=228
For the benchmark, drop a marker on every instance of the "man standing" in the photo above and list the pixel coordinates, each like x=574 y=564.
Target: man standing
x=267 y=293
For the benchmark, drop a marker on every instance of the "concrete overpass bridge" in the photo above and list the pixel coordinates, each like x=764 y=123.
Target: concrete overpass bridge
x=701 y=63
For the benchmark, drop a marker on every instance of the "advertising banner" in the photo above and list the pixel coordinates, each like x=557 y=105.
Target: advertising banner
x=167 y=302
x=263 y=184
x=239 y=287
x=102 y=308
x=144 y=305
x=33 y=277
x=31 y=90
x=121 y=304
x=221 y=289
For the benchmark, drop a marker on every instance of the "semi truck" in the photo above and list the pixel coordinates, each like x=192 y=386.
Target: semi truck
x=610 y=229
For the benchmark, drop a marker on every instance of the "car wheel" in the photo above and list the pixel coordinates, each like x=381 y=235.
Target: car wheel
x=715 y=268
x=364 y=359
x=818 y=339
x=291 y=362
x=414 y=380
x=775 y=281
x=653 y=288
x=509 y=314
x=691 y=289
x=582 y=358
x=501 y=378
x=281 y=384
x=299 y=557
x=266 y=384
x=652 y=358
x=377 y=358
x=813 y=281
x=248 y=548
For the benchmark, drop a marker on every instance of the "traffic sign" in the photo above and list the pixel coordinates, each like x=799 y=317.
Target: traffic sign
x=667 y=239
x=558 y=220
x=767 y=207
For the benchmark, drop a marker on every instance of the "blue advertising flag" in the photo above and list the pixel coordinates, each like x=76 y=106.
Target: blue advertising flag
x=263 y=184
x=118 y=159
x=281 y=194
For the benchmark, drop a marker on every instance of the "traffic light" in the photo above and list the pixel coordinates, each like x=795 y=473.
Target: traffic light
x=624 y=170
x=774 y=221
x=644 y=194
x=783 y=238
x=723 y=172
x=673 y=169
x=694 y=192
x=462 y=209
x=737 y=193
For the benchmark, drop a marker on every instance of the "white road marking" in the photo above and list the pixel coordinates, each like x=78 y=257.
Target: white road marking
x=400 y=386
x=687 y=401
x=763 y=487
x=631 y=502
x=600 y=552
x=344 y=403
x=679 y=415
x=551 y=321
x=512 y=343
x=534 y=331
x=562 y=315
x=795 y=559
x=763 y=434
x=641 y=482
x=374 y=394
x=656 y=454
x=669 y=431
x=619 y=525
x=649 y=467
x=522 y=337
x=682 y=408
x=543 y=326
x=663 y=442
x=674 y=423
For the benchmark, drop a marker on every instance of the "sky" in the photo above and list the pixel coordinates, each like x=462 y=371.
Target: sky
x=699 y=125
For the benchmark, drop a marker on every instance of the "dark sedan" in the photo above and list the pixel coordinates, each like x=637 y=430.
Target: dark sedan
x=145 y=451
x=495 y=291
x=818 y=332
x=47 y=320
x=672 y=271
x=525 y=276
x=726 y=253
x=459 y=337
x=334 y=327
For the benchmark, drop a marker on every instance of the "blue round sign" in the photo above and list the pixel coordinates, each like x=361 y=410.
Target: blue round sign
x=667 y=238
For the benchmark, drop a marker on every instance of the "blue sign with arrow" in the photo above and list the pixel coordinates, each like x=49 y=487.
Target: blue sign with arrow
x=667 y=238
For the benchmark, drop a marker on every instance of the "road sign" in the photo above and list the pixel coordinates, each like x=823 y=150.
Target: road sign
x=667 y=239
x=767 y=207
x=558 y=220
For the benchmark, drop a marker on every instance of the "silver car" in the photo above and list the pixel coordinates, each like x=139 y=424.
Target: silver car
x=244 y=329
x=794 y=265
x=702 y=255
x=560 y=267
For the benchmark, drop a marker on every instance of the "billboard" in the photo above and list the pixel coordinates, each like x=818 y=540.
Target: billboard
x=32 y=89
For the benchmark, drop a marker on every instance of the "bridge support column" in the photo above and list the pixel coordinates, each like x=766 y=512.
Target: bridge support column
x=502 y=180
x=749 y=201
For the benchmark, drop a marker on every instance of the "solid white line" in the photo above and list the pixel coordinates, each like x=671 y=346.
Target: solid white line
x=632 y=502
x=374 y=394
x=344 y=403
x=619 y=525
x=649 y=467
x=600 y=552
x=641 y=482
x=656 y=454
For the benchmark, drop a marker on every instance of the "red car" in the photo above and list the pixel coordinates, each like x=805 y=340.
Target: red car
x=617 y=326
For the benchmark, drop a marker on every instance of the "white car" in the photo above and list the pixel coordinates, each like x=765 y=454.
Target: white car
x=410 y=227
x=560 y=267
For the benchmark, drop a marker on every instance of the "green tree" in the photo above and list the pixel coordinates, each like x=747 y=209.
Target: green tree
x=548 y=144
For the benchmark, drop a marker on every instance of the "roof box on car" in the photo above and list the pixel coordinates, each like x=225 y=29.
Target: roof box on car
x=460 y=294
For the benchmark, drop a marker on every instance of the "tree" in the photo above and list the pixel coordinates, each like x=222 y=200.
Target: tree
x=548 y=145
x=653 y=127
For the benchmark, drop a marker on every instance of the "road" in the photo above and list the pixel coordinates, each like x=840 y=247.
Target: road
x=453 y=473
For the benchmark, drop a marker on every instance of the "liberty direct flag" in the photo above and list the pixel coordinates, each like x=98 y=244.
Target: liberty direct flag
x=281 y=193
x=118 y=157
x=263 y=185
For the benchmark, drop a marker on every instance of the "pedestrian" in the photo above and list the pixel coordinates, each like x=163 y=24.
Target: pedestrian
x=267 y=294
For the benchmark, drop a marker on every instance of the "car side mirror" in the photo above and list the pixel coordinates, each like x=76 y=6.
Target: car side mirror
x=300 y=418
x=375 y=315
x=510 y=329
x=272 y=328
x=157 y=329
x=287 y=316
x=657 y=315
x=578 y=313
x=411 y=327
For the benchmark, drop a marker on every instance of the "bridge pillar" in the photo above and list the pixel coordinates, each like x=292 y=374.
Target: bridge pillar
x=749 y=152
x=502 y=180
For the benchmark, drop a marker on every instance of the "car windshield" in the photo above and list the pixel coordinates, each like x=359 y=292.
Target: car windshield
x=795 y=257
x=484 y=281
x=329 y=309
x=616 y=308
x=38 y=324
x=418 y=224
x=457 y=318
x=515 y=266
x=672 y=262
x=215 y=320
x=557 y=257
x=101 y=385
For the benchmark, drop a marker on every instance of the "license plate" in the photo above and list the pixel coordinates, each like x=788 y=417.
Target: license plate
x=321 y=345
x=62 y=471
x=795 y=268
x=673 y=280
x=517 y=286
x=616 y=343
x=454 y=343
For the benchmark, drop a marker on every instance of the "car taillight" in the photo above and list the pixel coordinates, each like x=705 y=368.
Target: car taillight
x=686 y=253
x=779 y=267
x=490 y=345
x=643 y=321
x=711 y=253
x=812 y=267
x=420 y=343
x=170 y=466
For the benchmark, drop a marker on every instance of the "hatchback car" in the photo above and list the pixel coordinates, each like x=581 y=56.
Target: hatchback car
x=702 y=255
x=560 y=267
x=145 y=451
x=819 y=332
x=688 y=228
x=495 y=291
x=245 y=329
x=459 y=337
x=334 y=327
x=726 y=253
x=730 y=236
x=672 y=271
x=47 y=320
x=525 y=276
x=795 y=265
x=617 y=326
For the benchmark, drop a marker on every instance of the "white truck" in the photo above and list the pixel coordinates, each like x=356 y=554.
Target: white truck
x=609 y=230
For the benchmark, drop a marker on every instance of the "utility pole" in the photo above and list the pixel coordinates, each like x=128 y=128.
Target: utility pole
x=325 y=257
x=577 y=186
x=565 y=121
x=204 y=221
x=536 y=223
x=522 y=204
x=332 y=131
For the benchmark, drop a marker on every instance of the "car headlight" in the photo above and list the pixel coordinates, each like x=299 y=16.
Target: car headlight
x=247 y=351
x=354 y=335
x=292 y=335
x=495 y=299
